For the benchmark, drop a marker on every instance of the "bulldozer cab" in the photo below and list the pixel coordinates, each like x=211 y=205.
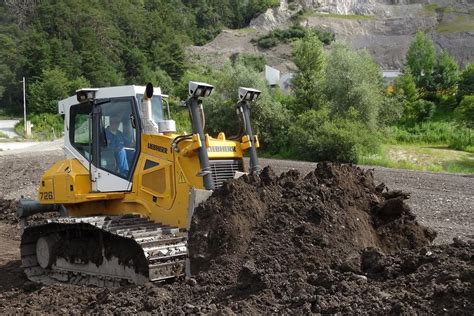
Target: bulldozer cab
x=103 y=132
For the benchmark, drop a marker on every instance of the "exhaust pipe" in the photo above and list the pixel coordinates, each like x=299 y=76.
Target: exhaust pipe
x=28 y=207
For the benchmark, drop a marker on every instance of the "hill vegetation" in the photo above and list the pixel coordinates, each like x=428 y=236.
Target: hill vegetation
x=339 y=108
x=62 y=45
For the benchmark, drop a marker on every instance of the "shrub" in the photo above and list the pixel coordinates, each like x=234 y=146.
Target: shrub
x=465 y=111
x=418 y=111
x=292 y=33
x=267 y=41
x=315 y=137
x=324 y=36
x=46 y=126
x=423 y=110
x=391 y=110
x=252 y=61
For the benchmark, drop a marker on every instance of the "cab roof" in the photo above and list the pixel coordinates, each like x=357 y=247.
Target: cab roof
x=107 y=92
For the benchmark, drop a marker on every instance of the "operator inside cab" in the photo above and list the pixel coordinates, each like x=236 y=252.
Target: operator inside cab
x=117 y=142
x=118 y=151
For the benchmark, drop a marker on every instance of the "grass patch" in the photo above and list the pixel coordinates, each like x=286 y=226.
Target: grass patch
x=434 y=8
x=357 y=17
x=3 y=135
x=421 y=157
x=435 y=133
x=462 y=23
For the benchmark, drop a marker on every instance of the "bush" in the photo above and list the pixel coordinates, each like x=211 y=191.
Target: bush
x=391 y=110
x=324 y=36
x=292 y=33
x=46 y=126
x=315 y=137
x=252 y=61
x=267 y=41
x=423 y=110
x=465 y=111
x=418 y=111
x=462 y=139
x=270 y=119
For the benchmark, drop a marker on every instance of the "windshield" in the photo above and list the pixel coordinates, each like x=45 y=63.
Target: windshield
x=157 y=107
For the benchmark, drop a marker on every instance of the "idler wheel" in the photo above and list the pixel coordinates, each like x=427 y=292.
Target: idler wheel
x=44 y=251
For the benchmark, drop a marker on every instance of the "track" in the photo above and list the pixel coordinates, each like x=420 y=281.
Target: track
x=102 y=251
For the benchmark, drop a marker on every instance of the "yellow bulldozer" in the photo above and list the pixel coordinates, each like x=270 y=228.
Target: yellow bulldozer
x=128 y=188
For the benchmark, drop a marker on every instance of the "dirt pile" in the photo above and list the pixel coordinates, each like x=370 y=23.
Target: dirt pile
x=326 y=218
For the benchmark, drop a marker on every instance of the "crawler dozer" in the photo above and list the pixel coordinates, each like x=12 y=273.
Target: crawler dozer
x=125 y=194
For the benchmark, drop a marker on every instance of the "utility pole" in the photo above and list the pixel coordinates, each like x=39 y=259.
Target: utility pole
x=24 y=105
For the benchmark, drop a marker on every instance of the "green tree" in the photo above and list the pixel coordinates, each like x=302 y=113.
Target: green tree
x=316 y=136
x=308 y=82
x=8 y=66
x=405 y=86
x=353 y=85
x=162 y=80
x=465 y=111
x=171 y=58
x=421 y=58
x=466 y=82
x=446 y=74
x=52 y=86
x=270 y=119
x=418 y=111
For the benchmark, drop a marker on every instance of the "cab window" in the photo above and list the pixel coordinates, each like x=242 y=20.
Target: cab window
x=80 y=128
x=118 y=137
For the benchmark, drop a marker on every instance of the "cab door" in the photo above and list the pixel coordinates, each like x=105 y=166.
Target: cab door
x=115 y=144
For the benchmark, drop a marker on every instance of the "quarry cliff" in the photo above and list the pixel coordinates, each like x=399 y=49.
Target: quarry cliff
x=384 y=28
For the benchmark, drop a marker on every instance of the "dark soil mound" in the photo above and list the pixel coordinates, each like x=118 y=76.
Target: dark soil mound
x=290 y=223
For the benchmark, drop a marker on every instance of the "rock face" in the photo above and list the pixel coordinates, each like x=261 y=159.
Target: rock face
x=384 y=27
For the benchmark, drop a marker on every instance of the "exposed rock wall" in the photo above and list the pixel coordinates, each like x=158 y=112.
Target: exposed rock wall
x=386 y=27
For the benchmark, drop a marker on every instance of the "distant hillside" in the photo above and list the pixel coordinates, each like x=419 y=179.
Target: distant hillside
x=383 y=27
x=61 y=45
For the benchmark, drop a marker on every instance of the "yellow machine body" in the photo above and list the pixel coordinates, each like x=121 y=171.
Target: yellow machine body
x=128 y=187
x=161 y=183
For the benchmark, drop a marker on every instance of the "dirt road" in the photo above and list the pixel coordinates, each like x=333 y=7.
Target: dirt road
x=7 y=127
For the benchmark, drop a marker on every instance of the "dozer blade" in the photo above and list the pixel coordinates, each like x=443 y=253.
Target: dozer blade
x=102 y=250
